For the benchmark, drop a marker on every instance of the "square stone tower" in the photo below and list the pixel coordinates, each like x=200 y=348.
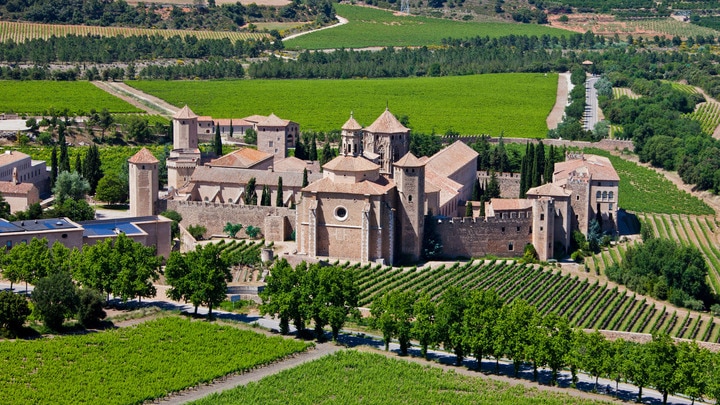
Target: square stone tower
x=409 y=176
x=185 y=128
x=143 y=173
x=387 y=138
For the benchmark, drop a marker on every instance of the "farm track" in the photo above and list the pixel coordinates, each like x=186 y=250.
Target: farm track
x=151 y=104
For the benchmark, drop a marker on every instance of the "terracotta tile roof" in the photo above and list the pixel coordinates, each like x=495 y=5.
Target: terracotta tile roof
x=350 y=164
x=273 y=121
x=185 y=113
x=11 y=156
x=598 y=167
x=243 y=158
x=386 y=123
x=409 y=160
x=451 y=159
x=9 y=187
x=366 y=187
x=255 y=118
x=143 y=156
x=510 y=204
x=351 y=124
x=293 y=164
x=205 y=118
x=225 y=122
x=449 y=189
x=234 y=177
x=549 y=189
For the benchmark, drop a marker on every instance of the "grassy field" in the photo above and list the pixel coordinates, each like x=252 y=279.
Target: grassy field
x=21 y=31
x=373 y=27
x=644 y=190
x=351 y=377
x=131 y=365
x=468 y=104
x=36 y=97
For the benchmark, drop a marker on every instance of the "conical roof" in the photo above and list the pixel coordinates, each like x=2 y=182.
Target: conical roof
x=143 y=156
x=351 y=124
x=185 y=113
x=409 y=160
x=386 y=123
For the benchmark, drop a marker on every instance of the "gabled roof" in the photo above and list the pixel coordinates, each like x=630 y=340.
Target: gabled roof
x=243 y=158
x=451 y=159
x=236 y=122
x=11 y=156
x=350 y=164
x=205 y=118
x=409 y=160
x=351 y=124
x=386 y=123
x=510 y=204
x=239 y=177
x=273 y=121
x=9 y=187
x=448 y=188
x=550 y=190
x=293 y=164
x=598 y=167
x=185 y=113
x=365 y=187
x=143 y=156
x=255 y=118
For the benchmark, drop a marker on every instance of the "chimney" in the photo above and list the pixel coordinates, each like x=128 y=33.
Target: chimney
x=15 y=176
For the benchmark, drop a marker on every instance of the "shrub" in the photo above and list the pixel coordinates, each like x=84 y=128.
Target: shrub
x=577 y=256
x=197 y=231
x=176 y=218
x=55 y=298
x=90 y=307
x=14 y=310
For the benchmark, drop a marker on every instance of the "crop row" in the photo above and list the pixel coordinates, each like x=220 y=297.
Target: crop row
x=670 y=27
x=21 y=31
x=708 y=115
x=586 y=304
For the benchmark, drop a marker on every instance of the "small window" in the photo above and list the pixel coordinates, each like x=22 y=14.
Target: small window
x=541 y=229
x=610 y=207
x=511 y=247
x=604 y=195
x=518 y=229
x=341 y=213
x=597 y=195
x=270 y=144
x=577 y=198
x=410 y=198
x=503 y=229
x=542 y=217
x=8 y=244
x=611 y=195
x=206 y=199
x=64 y=236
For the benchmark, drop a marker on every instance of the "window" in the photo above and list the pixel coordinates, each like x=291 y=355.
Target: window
x=610 y=207
x=597 y=195
x=503 y=229
x=577 y=198
x=64 y=236
x=341 y=213
x=541 y=229
x=518 y=229
x=604 y=195
x=8 y=244
x=611 y=196
x=410 y=198
x=511 y=247
x=542 y=217
x=270 y=144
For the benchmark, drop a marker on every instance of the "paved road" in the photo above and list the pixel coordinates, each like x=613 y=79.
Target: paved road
x=590 y=118
x=586 y=383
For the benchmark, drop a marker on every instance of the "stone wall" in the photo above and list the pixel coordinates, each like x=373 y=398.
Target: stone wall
x=604 y=144
x=509 y=183
x=477 y=237
x=214 y=216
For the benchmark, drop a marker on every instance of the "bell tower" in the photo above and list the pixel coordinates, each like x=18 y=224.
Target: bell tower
x=351 y=138
x=143 y=175
x=409 y=176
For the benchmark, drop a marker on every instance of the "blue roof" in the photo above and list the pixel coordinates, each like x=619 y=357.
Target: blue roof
x=36 y=225
x=6 y=226
x=110 y=228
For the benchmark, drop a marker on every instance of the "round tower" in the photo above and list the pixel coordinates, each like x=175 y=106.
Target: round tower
x=143 y=176
x=409 y=176
x=185 y=128
x=351 y=138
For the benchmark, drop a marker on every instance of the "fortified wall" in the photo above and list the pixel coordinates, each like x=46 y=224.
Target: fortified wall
x=509 y=182
x=475 y=237
x=214 y=216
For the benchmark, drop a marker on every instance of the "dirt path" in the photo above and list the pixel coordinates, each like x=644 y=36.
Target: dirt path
x=342 y=21
x=556 y=114
x=151 y=104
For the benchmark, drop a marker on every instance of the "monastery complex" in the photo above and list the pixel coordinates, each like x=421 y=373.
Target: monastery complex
x=376 y=201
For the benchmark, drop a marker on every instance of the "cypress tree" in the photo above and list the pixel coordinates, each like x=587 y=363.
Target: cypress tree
x=523 y=172
x=540 y=162
x=493 y=188
x=327 y=154
x=550 y=165
x=476 y=190
x=53 y=166
x=250 y=197
x=231 y=130
x=468 y=209
x=313 y=149
x=300 y=151
x=530 y=156
x=305 y=178
x=279 y=198
x=78 y=164
x=265 y=198
x=91 y=167
x=64 y=158
x=218 y=141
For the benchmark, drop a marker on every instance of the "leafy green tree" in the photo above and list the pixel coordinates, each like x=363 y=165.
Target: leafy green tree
x=55 y=298
x=197 y=231
x=286 y=295
x=594 y=351
x=138 y=267
x=200 y=276
x=313 y=155
x=112 y=189
x=4 y=208
x=217 y=144
x=252 y=231
x=383 y=319
x=449 y=321
x=90 y=307
x=513 y=335
x=95 y=267
x=479 y=320
x=250 y=196
x=423 y=329
x=333 y=296
x=693 y=369
x=638 y=370
x=28 y=262
x=176 y=219
x=106 y=121
x=556 y=342
x=70 y=185
x=250 y=137
x=138 y=129
x=394 y=315
x=662 y=356
x=231 y=229
x=14 y=310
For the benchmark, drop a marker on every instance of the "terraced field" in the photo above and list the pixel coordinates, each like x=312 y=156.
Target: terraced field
x=624 y=91
x=586 y=303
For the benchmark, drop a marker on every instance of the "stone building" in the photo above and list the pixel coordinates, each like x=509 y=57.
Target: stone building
x=23 y=181
x=185 y=155
x=144 y=183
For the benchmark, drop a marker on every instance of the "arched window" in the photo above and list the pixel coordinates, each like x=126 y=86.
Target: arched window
x=597 y=195
x=604 y=195
x=611 y=196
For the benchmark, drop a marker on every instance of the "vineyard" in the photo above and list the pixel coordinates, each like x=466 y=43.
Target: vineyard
x=20 y=32
x=624 y=91
x=351 y=377
x=243 y=252
x=587 y=304
x=134 y=364
x=670 y=28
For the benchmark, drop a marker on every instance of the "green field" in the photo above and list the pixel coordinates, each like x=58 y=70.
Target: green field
x=36 y=97
x=351 y=377
x=131 y=365
x=372 y=27
x=644 y=190
x=476 y=104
